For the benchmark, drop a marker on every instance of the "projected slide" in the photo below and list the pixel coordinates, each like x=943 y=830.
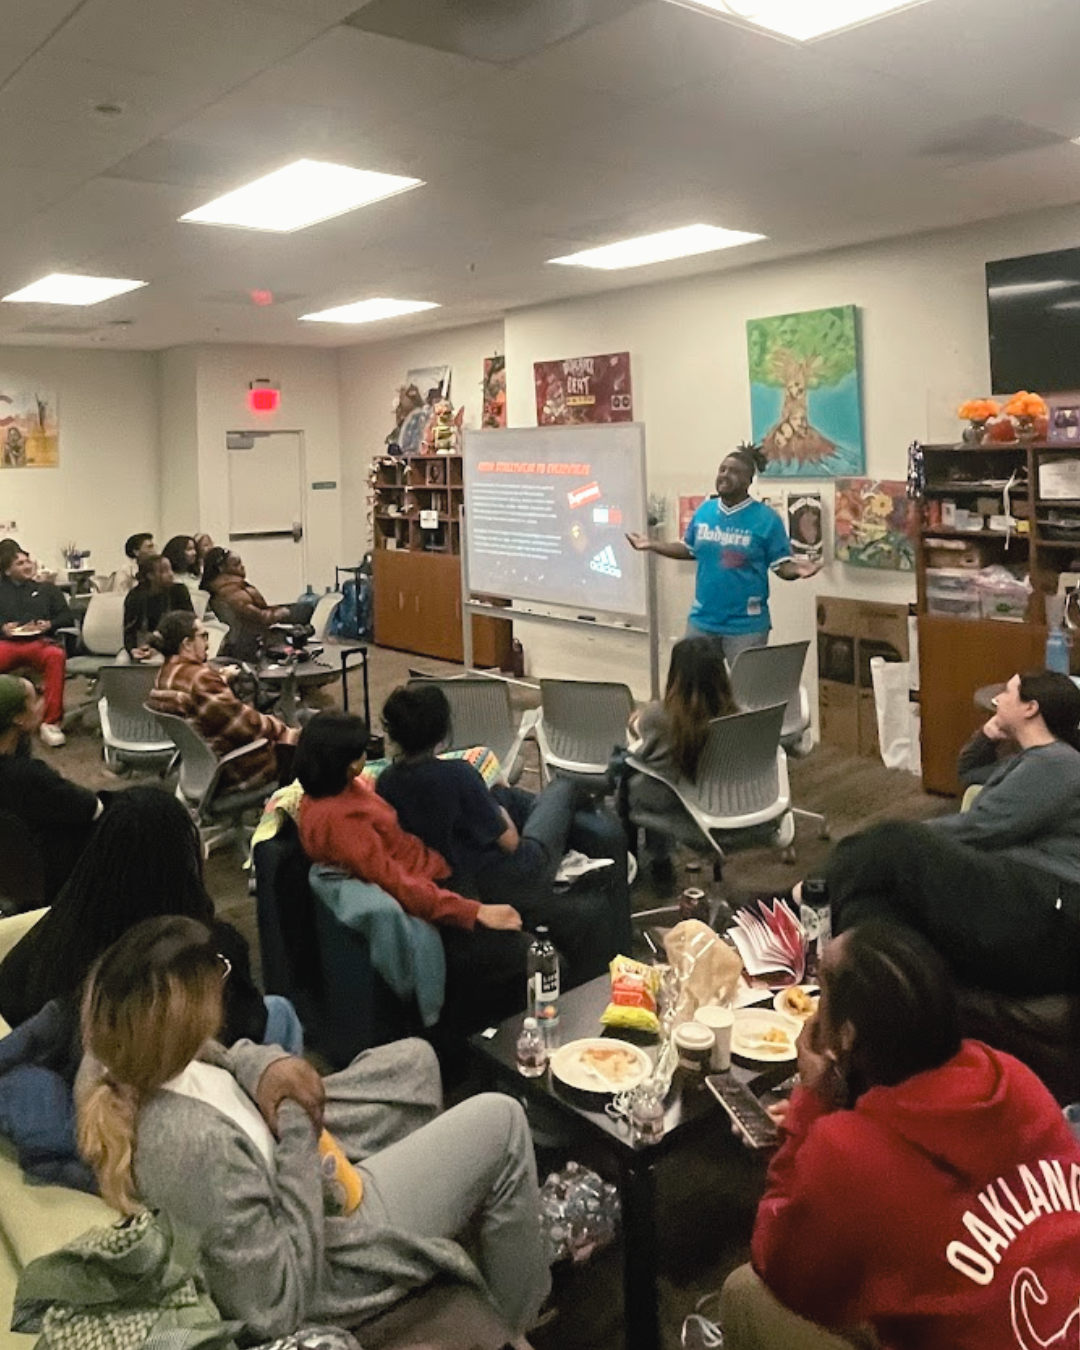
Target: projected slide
x=547 y=512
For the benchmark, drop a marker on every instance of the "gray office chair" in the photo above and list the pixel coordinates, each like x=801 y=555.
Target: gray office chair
x=217 y=810
x=132 y=735
x=740 y=799
x=481 y=714
x=581 y=724
x=765 y=675
x=101 y=636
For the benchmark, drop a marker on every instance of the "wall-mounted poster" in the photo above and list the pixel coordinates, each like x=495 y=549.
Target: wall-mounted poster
x=583 y=389
x=875 y=524
x=805 y=398
x=433 y=382
x=804 y=525
x=687 y=507
x=29 y=428
x=494 y=414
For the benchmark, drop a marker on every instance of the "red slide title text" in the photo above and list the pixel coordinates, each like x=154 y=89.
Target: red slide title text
x=513 y=466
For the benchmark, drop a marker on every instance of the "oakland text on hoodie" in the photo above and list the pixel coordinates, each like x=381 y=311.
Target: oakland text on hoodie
x=945 y=1211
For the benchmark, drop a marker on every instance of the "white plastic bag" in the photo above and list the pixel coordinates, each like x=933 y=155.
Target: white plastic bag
x=897 y=716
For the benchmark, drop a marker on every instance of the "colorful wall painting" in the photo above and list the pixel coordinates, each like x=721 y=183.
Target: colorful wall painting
x=875 y=524
x=29 y=427
x=583 y=389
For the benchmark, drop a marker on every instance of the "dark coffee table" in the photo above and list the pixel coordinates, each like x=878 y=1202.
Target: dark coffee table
x=689 y=1109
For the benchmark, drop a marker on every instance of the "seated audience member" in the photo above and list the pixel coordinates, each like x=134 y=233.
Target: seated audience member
x=156 y=594
x=239 y=604
x=228 y=1146
x=30 y=614
x=183 y=557
x=144 y=860
x=136 y=548
x=670 y=734
x=503 y=845
x=345 y=823
x=187 y=687
x=59 y=814
x=995 y=889
x=925 y=1187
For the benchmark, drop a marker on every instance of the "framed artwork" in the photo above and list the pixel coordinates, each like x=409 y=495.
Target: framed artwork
x=29 y=428
x=875 y=524
x=805 y=395
x=583 y=389
x=687 y=507
x=1063 y=419
x=804 y=525
x=494 y=412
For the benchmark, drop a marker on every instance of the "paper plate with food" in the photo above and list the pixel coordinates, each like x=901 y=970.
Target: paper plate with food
x=763 y=1036
x=799 y=1001
x=601 y=1064
x=25 y=630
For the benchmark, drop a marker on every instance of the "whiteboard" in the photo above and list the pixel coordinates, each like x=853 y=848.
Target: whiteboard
x=547 y=510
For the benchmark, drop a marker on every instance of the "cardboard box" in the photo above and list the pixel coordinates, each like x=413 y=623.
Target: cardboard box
x=885 y=624
x=838 y=707
x=837 y=615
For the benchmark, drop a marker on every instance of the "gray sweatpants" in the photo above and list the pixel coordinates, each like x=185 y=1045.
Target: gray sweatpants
x=474 y=1160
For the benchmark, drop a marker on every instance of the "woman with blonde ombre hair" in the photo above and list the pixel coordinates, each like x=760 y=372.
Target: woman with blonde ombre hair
x=226 y=1143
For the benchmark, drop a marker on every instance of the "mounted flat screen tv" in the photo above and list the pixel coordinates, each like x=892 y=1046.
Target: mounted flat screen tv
x=1033 y=305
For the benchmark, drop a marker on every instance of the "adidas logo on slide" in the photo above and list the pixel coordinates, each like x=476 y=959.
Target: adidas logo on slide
x=606 y=562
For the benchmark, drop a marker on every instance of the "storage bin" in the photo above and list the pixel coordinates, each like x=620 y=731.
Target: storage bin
x=957 y=581
x=956 y=606
x=1010 y=606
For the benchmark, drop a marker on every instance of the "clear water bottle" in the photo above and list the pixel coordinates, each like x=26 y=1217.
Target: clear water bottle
x=1058 y=644
x=543 y=992
x=815 y=916
x=531 y=1050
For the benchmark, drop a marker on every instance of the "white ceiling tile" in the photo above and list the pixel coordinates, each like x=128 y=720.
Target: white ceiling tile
x=27 y=25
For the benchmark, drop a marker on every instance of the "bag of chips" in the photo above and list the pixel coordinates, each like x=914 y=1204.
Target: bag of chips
x=634 y=986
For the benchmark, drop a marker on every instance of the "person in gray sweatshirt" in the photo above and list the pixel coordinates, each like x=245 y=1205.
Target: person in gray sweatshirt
x=996 y=889
x=233 y=1144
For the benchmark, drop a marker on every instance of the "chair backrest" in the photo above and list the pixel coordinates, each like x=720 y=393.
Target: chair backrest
x=103 y=624
x=200 y=600
x=320 y=620
x=738 y=772
x=764 y=676
x=124 y=690
x=480 y=714
x=584 y=721
x=198 y=763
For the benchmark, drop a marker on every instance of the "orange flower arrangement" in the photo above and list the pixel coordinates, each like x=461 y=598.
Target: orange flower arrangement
x=1028 y=405
x=978 y=409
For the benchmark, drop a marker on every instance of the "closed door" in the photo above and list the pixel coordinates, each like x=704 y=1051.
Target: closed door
x=266 y=510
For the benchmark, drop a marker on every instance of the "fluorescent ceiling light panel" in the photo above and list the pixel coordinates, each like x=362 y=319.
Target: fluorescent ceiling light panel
x=801 y=20
x=653 y=248
x=62 y=288
x=299 y=195
x=368 y=311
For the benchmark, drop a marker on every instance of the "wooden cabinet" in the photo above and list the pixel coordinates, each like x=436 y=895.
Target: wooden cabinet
x=959 y=654
x=418 y=609
x=957 y=657
x=415 y=505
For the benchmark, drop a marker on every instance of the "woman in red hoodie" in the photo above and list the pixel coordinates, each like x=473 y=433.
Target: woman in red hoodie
x=926 y=1188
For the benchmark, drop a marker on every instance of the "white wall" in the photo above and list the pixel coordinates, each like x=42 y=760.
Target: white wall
x=370 y=377
x=310 y=404
x=106 y=485
x=178 y=430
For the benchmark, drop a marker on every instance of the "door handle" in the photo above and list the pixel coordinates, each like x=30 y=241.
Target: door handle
x=297 y=531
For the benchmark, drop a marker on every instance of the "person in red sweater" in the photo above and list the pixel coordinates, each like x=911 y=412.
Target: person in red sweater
x=346 y=824
x=927 y=1188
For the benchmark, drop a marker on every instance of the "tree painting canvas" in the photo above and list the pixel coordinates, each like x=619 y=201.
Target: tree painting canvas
x=805 y=398
x=29 y=430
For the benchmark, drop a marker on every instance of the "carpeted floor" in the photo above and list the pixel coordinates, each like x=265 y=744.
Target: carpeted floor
x=708 y=1192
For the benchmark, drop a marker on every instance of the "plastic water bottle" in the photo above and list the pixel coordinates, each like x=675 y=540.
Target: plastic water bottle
x=543 y=992
x=1058 y=644
x=531 y=1050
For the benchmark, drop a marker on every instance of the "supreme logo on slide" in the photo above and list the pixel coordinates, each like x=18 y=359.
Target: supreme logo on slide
x=606 y=563
x=582 y=496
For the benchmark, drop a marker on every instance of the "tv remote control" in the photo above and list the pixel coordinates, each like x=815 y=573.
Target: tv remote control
x=749 y=1117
